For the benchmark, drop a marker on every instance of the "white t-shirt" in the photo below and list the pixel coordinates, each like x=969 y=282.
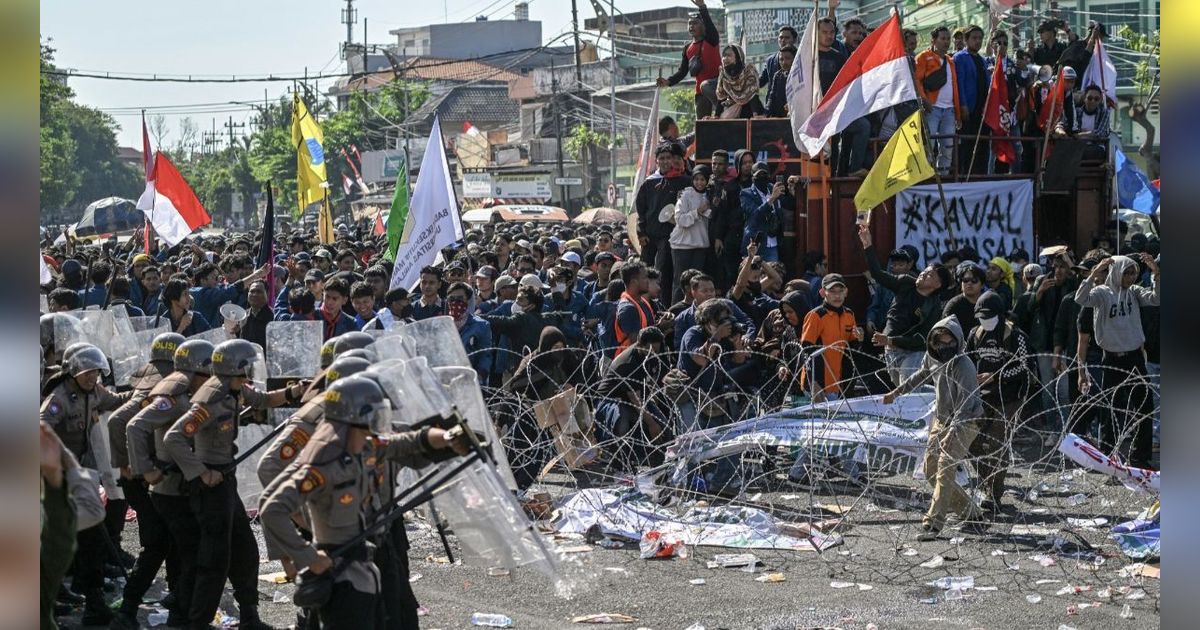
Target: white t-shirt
x=1087 y=122
x=945 y=97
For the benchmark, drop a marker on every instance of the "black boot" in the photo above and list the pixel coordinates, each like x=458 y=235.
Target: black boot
x=69 y=597
x=95 y=610
x=250 y=621
x=124 y=620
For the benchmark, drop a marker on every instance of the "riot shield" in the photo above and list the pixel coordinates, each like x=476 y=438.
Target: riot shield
x=462 y=386
x=294 y=349
x=438 y=341
x=213 y=335
x=43 y=303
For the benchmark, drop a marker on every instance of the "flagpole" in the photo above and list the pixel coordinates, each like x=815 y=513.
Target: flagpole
x=1050 y=122
x=978 y=132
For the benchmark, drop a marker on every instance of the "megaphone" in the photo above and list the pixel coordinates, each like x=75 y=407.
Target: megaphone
x=233 y=312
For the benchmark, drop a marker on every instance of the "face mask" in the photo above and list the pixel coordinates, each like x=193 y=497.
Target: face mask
x=560 y=288
x=457 y=309
x=989 y=323
x=517 y=308
x=943 y=353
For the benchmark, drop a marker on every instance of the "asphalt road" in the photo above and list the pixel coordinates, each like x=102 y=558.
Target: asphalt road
x=879 y=556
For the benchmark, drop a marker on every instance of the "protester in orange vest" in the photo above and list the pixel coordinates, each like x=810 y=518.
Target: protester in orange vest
x=826 y=335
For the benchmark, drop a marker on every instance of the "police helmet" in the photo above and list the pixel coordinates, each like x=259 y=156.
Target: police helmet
x=85 y=358
x=194 y=356
x=164 y=346
x=359 y=402
x=235 y=357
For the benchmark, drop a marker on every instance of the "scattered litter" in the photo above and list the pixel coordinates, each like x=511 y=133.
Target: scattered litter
x=1039 y=510
x=1070 y=590
x=604 y=618
x=1014 y=567
x=1126 y=612
x=1033 y=530
x=157 y=618
x=1040 y=582
x=770 y=577
x=1043 y=559
x=957 y=540
x=1063 y=626
x=697 y=582
x=616 y=570
x=865 y=587
x=929 y=600
x=1104 y=593
x=1136 y=594
x=839 y=584
x=933 y=562
x=789 y=497
x=732 y=560
x=1087 y=522
x=696 y=626
x=1072 y=610
x=1077 y=499
x=987 y=588
x=414 y=577
x=963 y=583
x=1033 y=599
x=422 y=611
x=437 y=559
x=999 y=552
x=954 y=594
x=654 y=545
x=279 y=577
x=1148 y=570
x=756 y=497
x=491 y=620
x=575 y=549
x=908 y=551
x=1090 y=605
x=280 y=597
x=609 y=543
x=497 y=571
x=836 y=509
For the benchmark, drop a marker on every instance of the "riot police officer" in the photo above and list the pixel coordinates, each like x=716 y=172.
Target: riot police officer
x=169 y=528
x=201 y=442
x=73 y=406
x=333 y=478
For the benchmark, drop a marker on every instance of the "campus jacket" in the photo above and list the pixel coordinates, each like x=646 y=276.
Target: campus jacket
x=927 y=63
x=911 y=315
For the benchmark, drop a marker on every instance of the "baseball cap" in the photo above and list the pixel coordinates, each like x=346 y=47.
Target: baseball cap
x=487 y=271
x=456 y=265
x=1018 y=254
x=531 y=280
x=523 y=244
x=609 y=256
x=314 y=275
x=303 y=257
x=1069 y=73
x=573 y=244
x=572 y=257
x=760 y=166
x=504 y=282
x=323 y=253
x=900 y=254
x=142 y=258
x=831 y=280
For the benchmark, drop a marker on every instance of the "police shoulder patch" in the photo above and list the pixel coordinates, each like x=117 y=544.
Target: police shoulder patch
x=312 y=480
x=346 y=499
x=287 y=451
x=163 y=403
x=53 y=408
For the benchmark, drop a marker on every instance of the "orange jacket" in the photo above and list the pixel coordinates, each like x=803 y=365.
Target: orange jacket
x=927 y=63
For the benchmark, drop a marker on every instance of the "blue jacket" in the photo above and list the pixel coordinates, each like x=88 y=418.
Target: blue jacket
x=964 y=68
x=343 y=324
x=93 y=296
x=287 y=316
x=130 y=308
x=880 y=303
x=476 y=336
x=757 y=214
x=209 y=301
x=606 y=328
x=198 y=325
x=769 y=69
x=575 y=304
x=500 y=355
x=420 y=311
x=687 y=319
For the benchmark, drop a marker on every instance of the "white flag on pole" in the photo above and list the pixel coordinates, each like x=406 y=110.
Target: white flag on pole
x=803 y=83
x=432 y=215
x=1101 y=73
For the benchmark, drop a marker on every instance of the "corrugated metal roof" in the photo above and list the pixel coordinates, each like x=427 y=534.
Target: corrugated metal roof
x=473 y=102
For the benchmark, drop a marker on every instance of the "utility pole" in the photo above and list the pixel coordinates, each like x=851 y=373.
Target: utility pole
x=575 y=28
x=364 y=48
x=349 y=18
x=612 y=101
x=558 y=130
x=231 y=126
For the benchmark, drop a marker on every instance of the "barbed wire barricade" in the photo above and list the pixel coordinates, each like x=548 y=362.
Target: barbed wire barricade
x=742 y=460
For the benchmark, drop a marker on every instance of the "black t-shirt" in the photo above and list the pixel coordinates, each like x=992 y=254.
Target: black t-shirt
x=829 y=64
x=962 y=308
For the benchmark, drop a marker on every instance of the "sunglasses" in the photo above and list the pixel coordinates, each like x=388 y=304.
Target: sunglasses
x=969 y=280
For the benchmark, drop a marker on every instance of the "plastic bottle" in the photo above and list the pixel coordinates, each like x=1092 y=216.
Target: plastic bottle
x=490 y=620
x=1077 y=499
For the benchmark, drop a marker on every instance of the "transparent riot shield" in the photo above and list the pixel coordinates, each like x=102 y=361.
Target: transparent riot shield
x=462 y=386
x=149 y=321
x=43 y=303
x=438 y=341
x=213 y=335
x=393 y=346
x=294 y=348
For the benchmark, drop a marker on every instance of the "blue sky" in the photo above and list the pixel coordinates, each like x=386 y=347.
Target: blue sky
x=247 y=37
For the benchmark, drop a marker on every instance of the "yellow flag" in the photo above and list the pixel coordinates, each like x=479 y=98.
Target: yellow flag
x=310 y=157
x=325 y=222
x=901 y=164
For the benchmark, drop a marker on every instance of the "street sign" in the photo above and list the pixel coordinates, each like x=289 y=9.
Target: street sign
x=477 y=185
x=612 y=194
x=568 y=181
x=530 y=186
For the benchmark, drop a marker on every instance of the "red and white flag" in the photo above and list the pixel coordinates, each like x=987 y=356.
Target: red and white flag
x=347 y=185
x=998 y=116
x=1052 y=104
x=380 y=229
x=1101 y=73
x=169 y=203
x=148 y=167
x=875 y=77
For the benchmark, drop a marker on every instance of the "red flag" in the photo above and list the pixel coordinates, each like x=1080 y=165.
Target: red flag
x=379 y=229
x=1052 y=105
x=998 y=116
x=148 y=167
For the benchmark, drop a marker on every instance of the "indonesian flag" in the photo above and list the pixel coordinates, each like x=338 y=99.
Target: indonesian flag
x=999 y=7
x=998 y=116
x=148 y=167
x=170 y=204
x=875 y=77
x=1101 y=73
x=347 y=185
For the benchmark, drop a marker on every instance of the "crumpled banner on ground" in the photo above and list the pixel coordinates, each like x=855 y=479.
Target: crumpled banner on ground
x=1083 y=453
x=627 y=513
x=1140 y=538
x=859 y=435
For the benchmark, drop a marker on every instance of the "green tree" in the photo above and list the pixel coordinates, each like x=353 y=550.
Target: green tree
x=95 y=162
x=584 y=145
x=681 y=102
x=58 y=180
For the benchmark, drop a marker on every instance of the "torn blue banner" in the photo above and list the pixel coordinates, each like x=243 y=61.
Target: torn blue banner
x=1134 y=190
x=1140 y=538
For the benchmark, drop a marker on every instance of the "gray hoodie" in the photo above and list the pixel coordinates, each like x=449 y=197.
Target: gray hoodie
x=955 y=381
x=1117 y=312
